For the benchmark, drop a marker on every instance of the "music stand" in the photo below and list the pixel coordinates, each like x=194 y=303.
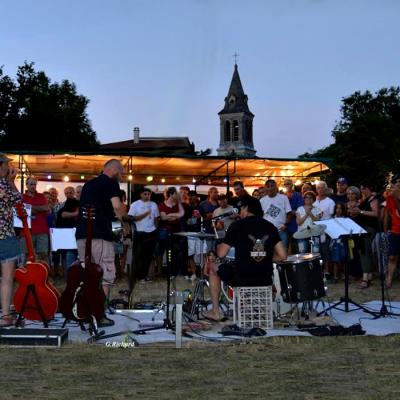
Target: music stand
x=344 y=228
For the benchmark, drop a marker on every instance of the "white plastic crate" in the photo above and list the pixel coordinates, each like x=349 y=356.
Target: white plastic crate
x=253 y=307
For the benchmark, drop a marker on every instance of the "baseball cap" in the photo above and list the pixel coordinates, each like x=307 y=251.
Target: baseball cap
x=342 y=180
x=4 y=158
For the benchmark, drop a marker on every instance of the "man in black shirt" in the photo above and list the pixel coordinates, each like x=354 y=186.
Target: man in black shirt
x=67 y=217
x=257 y=243
x=102 y=193
x=240 y=195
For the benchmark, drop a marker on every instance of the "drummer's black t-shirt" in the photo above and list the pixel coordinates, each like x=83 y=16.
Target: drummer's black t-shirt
x=254 y=240
x=98 y=193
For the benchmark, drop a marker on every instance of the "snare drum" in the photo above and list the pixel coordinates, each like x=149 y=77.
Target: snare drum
x=301 y=278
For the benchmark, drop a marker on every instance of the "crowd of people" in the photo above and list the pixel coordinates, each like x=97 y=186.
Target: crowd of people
x=261 y=227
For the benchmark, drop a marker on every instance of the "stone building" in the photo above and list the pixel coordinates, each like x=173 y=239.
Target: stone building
x=236 y=122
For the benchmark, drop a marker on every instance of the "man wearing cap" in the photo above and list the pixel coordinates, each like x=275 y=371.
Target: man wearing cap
x=341 y=188
x=257 y=243
x=9 y=244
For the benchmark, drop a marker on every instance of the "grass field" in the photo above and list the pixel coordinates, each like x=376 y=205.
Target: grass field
x=278 y=368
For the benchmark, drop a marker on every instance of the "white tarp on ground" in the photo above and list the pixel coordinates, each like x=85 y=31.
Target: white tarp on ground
x=126 y=321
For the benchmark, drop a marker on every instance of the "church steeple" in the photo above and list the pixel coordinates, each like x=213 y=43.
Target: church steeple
x=236 y=121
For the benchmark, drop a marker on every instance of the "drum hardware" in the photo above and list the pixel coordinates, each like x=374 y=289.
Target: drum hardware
x=301 y=281
x=198 y=302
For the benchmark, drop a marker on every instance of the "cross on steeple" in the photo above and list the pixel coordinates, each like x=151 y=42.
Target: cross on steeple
x=235 y=57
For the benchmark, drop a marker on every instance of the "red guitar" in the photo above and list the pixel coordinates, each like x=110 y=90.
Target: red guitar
x=83 y=298
x=35 y=298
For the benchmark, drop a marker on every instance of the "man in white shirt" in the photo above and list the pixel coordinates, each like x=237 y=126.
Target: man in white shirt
x=327 y=207
x=276 y=209
x=145 y=215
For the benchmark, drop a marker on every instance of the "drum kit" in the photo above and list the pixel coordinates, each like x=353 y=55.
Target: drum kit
x=300 y=275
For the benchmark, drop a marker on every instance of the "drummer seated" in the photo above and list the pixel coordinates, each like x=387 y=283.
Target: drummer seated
x=257 y=244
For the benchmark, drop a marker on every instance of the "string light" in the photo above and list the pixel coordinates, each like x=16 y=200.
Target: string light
x=82 y=177
x=48 y=177
x=194 y=180
x=162 y=180
x=66 y=178
x=149 y=178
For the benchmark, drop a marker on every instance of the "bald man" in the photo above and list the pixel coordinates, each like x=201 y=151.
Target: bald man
x=103 y=193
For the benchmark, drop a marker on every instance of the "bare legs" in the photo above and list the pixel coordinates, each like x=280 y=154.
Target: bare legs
x=7 y=279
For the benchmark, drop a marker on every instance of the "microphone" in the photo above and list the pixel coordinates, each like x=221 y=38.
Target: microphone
x=227 y=214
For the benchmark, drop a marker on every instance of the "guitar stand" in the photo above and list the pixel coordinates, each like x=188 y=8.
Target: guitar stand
x=31 y=289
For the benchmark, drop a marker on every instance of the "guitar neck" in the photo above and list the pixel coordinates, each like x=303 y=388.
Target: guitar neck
x=89 y=236
x=27 y=233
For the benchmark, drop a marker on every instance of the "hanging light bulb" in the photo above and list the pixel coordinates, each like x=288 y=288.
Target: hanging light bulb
x=82 y=177
x=194 y=180
x=48 y=177
x=162 y=180
x=130 y=177
x=66 y=178
x=149 y=178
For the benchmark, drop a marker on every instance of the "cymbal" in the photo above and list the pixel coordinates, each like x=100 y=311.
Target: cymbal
x=312 y=230
x=199 y=235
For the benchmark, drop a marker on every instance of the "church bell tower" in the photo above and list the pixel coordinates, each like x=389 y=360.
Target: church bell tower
x=236 y=122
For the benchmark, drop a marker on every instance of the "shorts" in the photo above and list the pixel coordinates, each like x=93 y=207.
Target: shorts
x=194 y=246
x=394 y=244
x=10 y=249
x=227 y=274
x=40 y=243
x=103 y=255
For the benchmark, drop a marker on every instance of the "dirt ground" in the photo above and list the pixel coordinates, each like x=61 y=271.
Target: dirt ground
x=280 y=367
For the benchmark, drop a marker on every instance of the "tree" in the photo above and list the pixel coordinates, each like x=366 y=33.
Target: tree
x=367 y=138
x=36 y=114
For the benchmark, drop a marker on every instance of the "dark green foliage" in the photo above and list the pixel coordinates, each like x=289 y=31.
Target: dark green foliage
x=367 y=138
x=36 y=114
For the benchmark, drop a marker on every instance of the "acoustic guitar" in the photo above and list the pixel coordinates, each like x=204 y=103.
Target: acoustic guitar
x=83 y=298
x=34 y=289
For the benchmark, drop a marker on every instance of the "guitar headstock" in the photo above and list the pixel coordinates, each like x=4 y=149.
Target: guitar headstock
x=88 y=212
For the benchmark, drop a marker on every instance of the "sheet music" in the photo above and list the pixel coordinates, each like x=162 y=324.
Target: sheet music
x=18 y=221
x=337 y=227
x=62 y=239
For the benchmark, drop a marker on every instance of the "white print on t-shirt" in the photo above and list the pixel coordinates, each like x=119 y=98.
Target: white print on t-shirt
x=258 y=253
